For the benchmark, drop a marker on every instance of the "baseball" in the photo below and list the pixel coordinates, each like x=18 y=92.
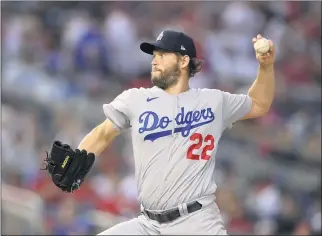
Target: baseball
x=262 y=46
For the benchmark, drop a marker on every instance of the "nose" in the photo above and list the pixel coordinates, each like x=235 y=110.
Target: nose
x=153 y=62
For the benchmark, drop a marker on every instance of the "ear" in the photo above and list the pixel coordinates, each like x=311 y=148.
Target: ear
x=185 y=61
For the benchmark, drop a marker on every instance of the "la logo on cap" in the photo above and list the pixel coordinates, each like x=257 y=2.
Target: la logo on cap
x=160 y=36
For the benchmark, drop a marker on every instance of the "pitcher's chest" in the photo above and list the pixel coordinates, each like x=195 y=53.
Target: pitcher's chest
x=162 y=116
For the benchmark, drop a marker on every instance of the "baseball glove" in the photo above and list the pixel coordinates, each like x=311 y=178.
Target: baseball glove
x=67 y=167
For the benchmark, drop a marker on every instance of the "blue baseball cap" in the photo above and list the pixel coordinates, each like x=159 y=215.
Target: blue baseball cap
x=171 y=41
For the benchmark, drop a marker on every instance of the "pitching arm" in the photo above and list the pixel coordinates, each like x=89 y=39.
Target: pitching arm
x=263 y=89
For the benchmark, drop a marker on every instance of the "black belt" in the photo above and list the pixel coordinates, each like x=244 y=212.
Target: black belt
x=173 y=214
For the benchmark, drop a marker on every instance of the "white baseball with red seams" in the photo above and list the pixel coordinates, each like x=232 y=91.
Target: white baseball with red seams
x=175 y=139
x=262 y=46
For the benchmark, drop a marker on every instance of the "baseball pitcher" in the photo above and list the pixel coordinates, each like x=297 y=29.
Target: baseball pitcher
x=175 y=134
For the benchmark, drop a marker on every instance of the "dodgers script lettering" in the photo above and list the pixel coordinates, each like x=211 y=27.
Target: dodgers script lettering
x=151 y=121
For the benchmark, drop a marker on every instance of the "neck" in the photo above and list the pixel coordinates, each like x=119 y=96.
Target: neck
x=181 y=87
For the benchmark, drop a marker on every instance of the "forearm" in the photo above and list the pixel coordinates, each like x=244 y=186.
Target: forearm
x=263 y=89
x=97 y=140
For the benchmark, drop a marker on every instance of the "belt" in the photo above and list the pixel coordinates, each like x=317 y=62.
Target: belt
x=173 y=214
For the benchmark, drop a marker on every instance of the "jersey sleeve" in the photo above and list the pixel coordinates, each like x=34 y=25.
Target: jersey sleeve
x=235 y=106
x=118 y=111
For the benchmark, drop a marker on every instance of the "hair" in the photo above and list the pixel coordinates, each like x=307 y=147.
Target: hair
x=194 y=67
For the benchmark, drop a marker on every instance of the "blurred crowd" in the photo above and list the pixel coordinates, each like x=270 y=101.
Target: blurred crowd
x=61 y=61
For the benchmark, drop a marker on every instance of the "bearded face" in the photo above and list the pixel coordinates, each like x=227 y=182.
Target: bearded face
x=165 y=69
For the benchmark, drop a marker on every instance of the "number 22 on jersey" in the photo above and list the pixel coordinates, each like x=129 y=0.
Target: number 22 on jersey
x=198 y=141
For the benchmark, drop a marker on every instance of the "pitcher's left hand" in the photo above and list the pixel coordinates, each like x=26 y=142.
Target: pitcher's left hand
x=267 y=59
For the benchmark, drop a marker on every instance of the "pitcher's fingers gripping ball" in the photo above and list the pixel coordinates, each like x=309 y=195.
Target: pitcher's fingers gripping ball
x=264 y=49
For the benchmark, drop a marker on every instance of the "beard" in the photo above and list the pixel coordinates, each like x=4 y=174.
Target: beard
x=167 y=78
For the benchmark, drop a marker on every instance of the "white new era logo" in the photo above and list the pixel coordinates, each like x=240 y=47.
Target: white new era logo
x=183 y=48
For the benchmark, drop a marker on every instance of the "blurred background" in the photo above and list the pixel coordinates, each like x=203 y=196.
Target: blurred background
x=61 y=61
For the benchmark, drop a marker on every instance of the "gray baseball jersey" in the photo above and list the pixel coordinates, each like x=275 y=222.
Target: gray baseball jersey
x=175 y=139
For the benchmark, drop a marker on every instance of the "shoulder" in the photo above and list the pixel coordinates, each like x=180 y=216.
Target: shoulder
x=133 y=93
x=209 y=92
x=218 y=93
x=127 y=100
